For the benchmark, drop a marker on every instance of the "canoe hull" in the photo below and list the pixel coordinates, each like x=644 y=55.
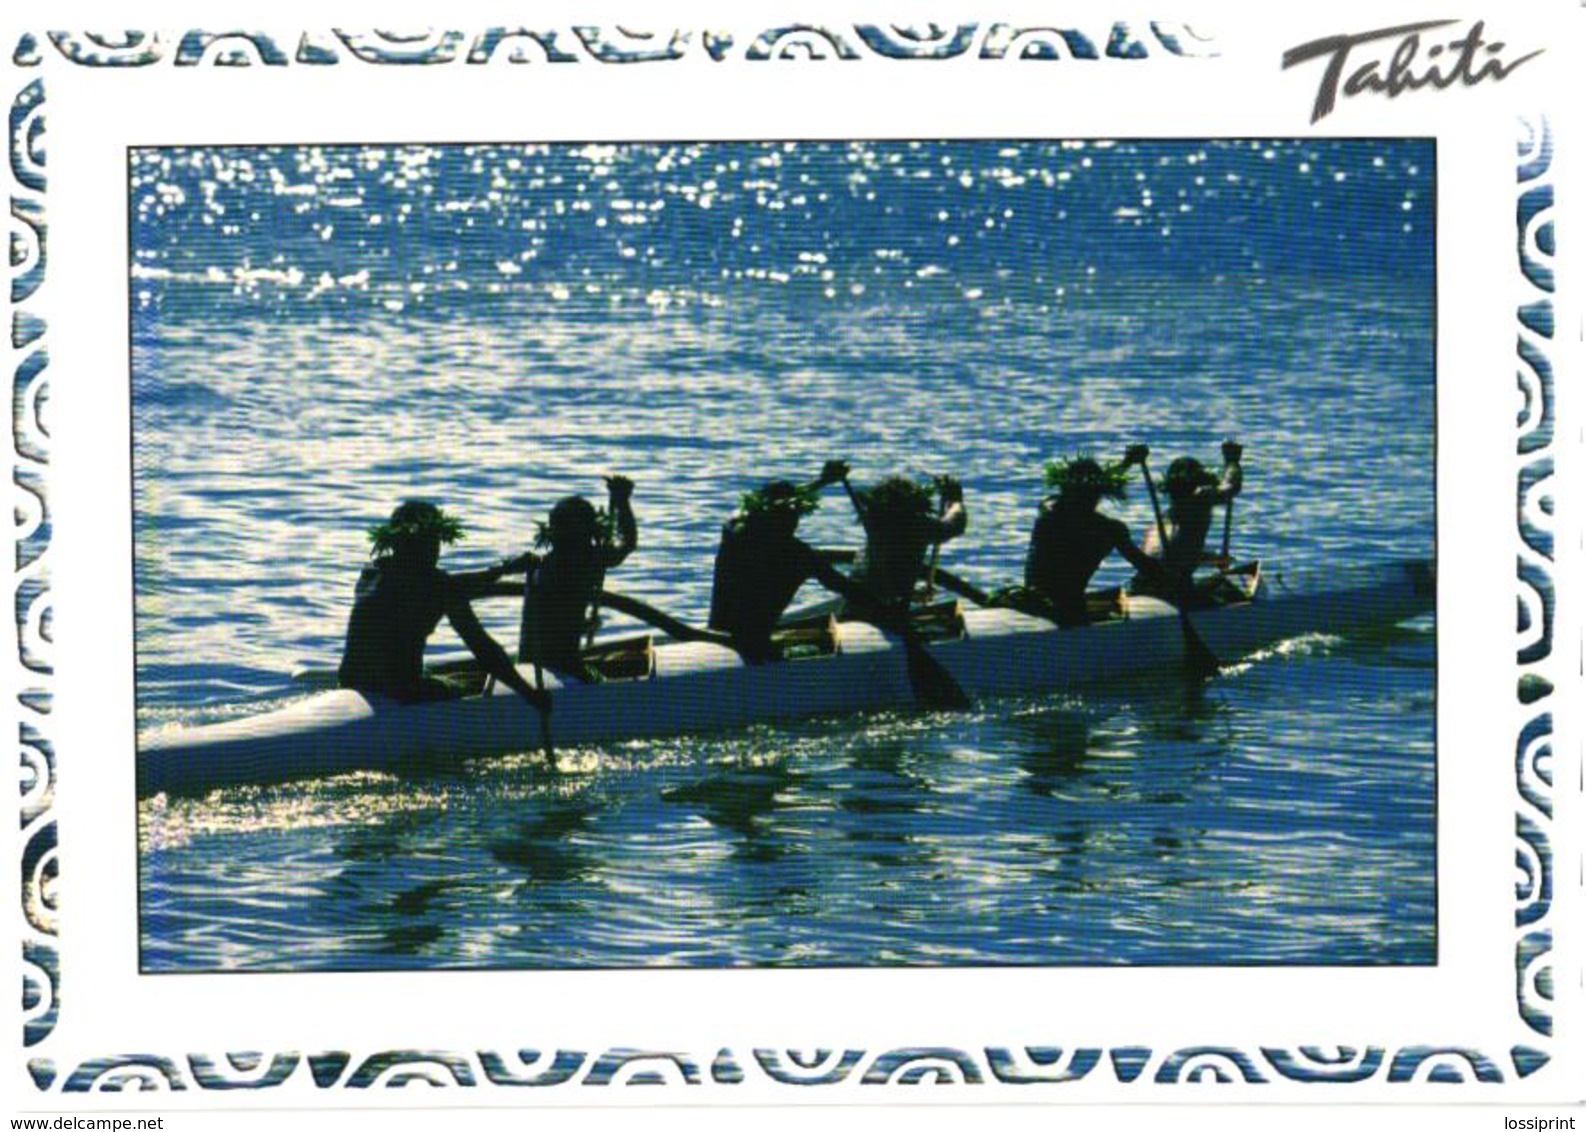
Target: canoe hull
x=698 y=687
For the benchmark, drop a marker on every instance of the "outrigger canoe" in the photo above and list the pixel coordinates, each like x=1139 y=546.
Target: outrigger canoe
x=830 y=668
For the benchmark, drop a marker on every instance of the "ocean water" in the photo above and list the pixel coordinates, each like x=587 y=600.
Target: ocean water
x=319 y=332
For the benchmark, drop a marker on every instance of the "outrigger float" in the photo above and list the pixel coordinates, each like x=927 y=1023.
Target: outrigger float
x=830 y=667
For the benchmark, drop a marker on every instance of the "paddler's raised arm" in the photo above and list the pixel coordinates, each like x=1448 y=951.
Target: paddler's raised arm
x=491 y=656
x=1132 y=455
x=954 y=519
x=854 y=497
x=833 y=471
x=1233 y=477
x=620 y=491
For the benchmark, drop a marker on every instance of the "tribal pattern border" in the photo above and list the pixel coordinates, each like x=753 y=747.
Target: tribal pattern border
x=1535 y=574
x=1030 y=1065
x=30 y=461
x=994 y=41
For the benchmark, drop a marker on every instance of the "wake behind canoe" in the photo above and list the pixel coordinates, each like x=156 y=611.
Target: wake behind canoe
x=679 y=688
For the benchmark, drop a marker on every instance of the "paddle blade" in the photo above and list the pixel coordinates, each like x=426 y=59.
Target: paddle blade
x=546 y=743
x=1199 y=661
x=544 y=712
x=933 y=685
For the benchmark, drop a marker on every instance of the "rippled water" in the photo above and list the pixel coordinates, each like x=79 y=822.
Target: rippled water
x=321 y=332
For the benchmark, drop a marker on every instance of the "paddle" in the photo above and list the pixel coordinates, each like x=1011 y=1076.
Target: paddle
x=853 y=497
x=671 y=626
x=963 y=587
x=539 y=684
x=545 y=717
x=1228 y=532
x=936 y=547
x=592 y=613
x=932 y=684
x=1198 y=659
x=1232 y=452
x=931 y=680
x=950 y=580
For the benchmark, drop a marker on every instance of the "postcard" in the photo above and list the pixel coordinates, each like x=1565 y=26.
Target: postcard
x=747 y=566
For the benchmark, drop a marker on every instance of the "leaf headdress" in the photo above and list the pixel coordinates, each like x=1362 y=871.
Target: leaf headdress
x=413 y=520
x=779 y=497
x=1083 y=473
x=898 y=495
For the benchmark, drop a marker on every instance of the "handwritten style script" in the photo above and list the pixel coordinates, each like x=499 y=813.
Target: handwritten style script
x=1473 y=60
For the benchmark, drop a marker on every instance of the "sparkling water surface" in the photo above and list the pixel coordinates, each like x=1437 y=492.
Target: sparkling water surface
x=321 y=332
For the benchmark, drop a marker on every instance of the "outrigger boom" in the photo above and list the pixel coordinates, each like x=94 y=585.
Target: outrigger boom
x=683 y=687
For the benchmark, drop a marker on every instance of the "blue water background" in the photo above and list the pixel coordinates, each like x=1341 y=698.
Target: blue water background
x=320 y=332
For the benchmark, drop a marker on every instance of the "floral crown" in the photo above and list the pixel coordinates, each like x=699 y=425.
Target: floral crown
x=779 y=497
x=415 y=519
x=1083 y=473
x=898 y=493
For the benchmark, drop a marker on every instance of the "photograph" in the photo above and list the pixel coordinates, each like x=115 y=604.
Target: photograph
x=876 y=444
